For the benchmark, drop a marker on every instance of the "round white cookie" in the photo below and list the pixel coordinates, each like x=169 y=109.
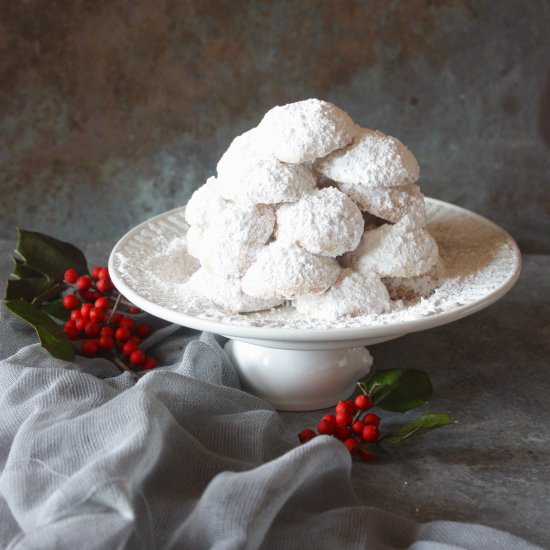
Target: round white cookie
x=306 y=130
x=285 y=270
x=412 y=288
x=324 y=222
x=352 y=295
x=266 y=181
x=227 y=294
x=246 y=149
x=231 y=237
x=373 y=159
x=400 y=250
x=204 y=200
x=389 y=203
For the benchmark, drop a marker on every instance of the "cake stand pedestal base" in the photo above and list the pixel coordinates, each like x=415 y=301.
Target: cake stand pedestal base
x=297 y=379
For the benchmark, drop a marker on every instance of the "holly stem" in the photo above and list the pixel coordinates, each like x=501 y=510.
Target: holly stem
x=122 y=366
x=117 y=302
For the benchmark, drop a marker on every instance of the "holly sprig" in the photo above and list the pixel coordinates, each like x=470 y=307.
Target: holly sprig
x=397 y=390
x=72 y=309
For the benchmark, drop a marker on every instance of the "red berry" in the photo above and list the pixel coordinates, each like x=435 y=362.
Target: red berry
x=88 y=295
x=76 y=314
x=304 y=436
x=104 y=285
x=372 y=418
x=115 y=319
x=71 y=275
x=122 y=334
x=90 y=347
x=106 y=342
x=370 y=433
x=69 y=324
x=346 y=406
x=137 y=357
x=151 y=363
x=133 y=309
x=135 y=339
x=97 y=314
x=70 y=301
x=329 y=418
x=342 y=432
x=144 y=330
x=85 y=310
x=92 y=329
x=107 y=331
x=363 y=402
x=351 y=445
x=96 y=295
x=102 y=302
x=365 y=455
x=127 y=322
x=95 y=272
x=81 y=324
x=102 y=273
x=84 y=282
x=357 y=427
x=71 y=332
x=344 y=418
x=326 y=428
x=128 y=348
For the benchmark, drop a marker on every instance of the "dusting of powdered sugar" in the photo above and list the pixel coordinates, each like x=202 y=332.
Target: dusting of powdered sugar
x=478 y=257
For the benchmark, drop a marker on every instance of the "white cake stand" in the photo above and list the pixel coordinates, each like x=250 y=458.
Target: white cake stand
x=296 y=369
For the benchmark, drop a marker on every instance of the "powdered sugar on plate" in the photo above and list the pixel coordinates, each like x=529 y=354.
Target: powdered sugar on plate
x=479 y=258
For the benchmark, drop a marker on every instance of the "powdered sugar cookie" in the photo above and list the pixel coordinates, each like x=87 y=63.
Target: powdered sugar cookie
x=324 y=222
x=388 y=203
x=246 y=149
x=231 y=237
x=285 y=270
x=373 y=159
x=400 y=250
x=306 y=130
x=205 y=199
x=227 y=294
x=267 y=181
x=353 y=294
x=412 y=288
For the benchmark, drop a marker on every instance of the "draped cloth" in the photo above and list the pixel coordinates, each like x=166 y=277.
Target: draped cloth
x=183 y=458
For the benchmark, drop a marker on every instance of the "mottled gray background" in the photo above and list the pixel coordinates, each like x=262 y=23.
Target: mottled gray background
x=112 y=111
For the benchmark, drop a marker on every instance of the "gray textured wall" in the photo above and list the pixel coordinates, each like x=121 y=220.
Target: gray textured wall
x=112 y=111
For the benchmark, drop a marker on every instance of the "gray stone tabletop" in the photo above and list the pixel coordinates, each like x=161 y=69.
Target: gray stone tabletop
x=491 y=371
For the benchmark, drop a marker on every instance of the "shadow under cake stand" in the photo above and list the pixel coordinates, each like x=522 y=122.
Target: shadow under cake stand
x=300 y=369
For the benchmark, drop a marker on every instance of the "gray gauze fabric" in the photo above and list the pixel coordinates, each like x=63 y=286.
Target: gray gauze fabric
x=181 y=459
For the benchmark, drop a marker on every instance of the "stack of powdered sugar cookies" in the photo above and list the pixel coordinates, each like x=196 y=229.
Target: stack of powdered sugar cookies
x=311 y=208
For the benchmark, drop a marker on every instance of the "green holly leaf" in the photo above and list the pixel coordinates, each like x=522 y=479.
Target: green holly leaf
x=425 y=423
x=26 y=289
x=49 y=256
x=398 y=390
x=51 y=336
x=21 y=271
x=56 y=309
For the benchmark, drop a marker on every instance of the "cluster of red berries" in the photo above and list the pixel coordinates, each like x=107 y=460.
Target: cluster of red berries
x=350 y=425
x=94 y=321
